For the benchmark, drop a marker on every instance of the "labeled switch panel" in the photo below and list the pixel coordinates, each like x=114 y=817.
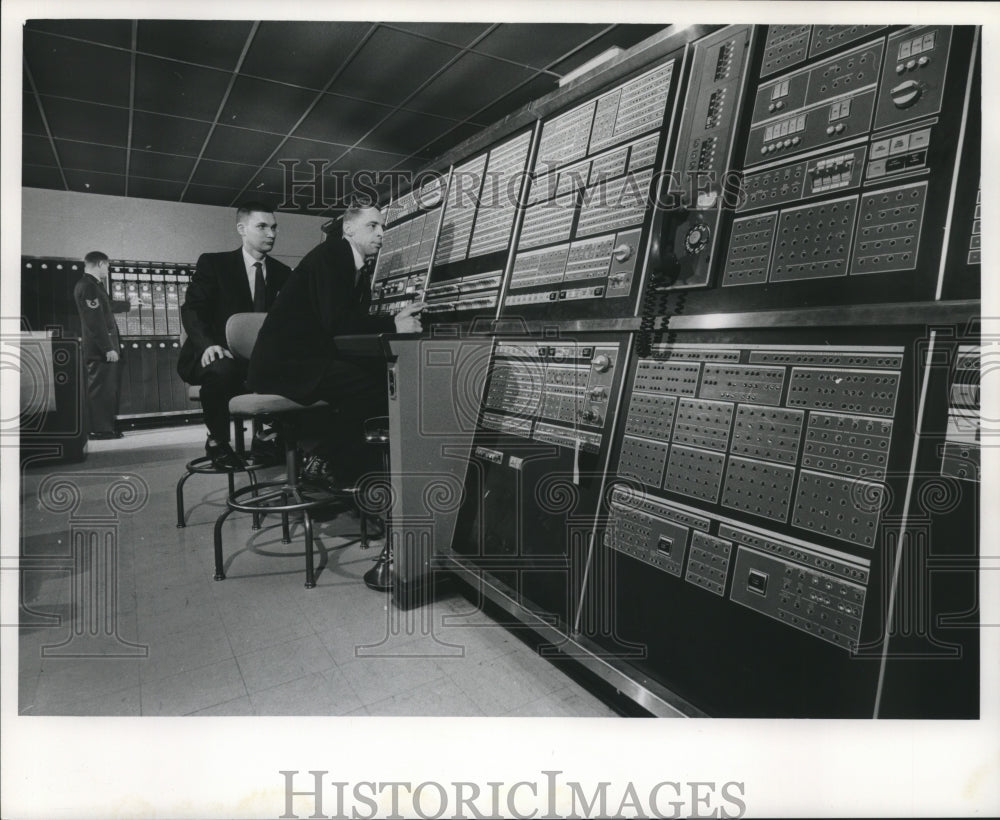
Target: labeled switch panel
x=844 y=74
x=718 y=73
x=743 y=383
x=899 y=154
x=651 y=530
x=823 y=603
x=583 y=232
x=913 y=77
x=799 y=435
x=708 y=562
x=559 y=392
x=854 y=391
x=839 y=171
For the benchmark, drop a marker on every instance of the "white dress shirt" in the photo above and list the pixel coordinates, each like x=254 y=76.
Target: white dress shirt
x=249 y=262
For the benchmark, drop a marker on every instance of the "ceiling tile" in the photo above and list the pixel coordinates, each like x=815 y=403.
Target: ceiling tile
x=341 y=119
x=88 y=157
x=303 y=150
x=208 y=195
x=31 y=119
x=110 y=32
x=451 y=139
x=86 y=122
x=239 y=145
x=91 y=182
x=367 y=165
x=469 y=84
x=37 y=151
x=154 y=188
x=41 y=176
x=159 y=166
x=459 y=34
x=265 y=106
x=222 y=174
x=391 y=66
x=168 y=135
x=302 y=53
x=406 y=132
x=174 y=88
x=536 y=44
x=624 y=36
x=215 y=43
x=65 y=68
x=534 y=89
x=268 y=180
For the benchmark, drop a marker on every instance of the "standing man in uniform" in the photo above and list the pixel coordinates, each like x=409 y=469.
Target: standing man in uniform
x=241 y=281
x=100 y=344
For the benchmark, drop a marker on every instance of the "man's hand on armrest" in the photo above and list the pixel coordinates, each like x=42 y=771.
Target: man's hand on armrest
x=408 y=319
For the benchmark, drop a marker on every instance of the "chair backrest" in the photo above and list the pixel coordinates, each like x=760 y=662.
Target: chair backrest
x=241 y=333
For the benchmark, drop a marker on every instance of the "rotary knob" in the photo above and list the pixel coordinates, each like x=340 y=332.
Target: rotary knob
x=601 y=363
x=906 y=93
x=598 y=394
x=622 y=252
x=590 y=415
x=697 y=237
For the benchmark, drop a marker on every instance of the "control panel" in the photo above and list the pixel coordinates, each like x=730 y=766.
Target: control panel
x=538 y=463
x=411 y=228
x=961 y=451
x=480 y=211
x=780 y=434
x=700 y=184
x=579 y=252
x=849 y=168
x=558 y=393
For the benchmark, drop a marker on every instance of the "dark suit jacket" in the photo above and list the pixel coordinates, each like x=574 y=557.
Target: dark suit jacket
x=298 y=339
x=219 y=289
x=99 y=332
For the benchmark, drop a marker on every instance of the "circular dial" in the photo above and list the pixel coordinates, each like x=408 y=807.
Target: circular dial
x=697 y=237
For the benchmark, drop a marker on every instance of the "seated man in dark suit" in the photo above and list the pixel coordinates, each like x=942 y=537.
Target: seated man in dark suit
x=238 y=281
x=296 y=353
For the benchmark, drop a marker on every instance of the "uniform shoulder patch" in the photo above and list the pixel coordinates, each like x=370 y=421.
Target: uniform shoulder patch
x=93 y=303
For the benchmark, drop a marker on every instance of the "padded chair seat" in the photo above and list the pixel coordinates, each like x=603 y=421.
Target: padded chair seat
x=252 y=404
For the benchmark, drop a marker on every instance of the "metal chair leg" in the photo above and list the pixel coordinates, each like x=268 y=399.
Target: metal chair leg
x=310 y=568
x=220 y=574
x=181 y=523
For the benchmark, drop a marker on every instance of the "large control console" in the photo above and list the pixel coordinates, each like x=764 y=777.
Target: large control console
x=717 y=312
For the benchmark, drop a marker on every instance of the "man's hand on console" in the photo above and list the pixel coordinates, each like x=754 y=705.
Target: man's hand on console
x=408 y=319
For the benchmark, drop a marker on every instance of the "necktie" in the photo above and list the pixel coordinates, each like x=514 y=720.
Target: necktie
x=363 y=289
x=259 y=289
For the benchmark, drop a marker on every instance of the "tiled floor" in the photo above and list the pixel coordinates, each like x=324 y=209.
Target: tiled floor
x=141 y=628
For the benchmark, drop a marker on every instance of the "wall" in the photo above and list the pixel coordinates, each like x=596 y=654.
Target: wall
x=69 y=224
